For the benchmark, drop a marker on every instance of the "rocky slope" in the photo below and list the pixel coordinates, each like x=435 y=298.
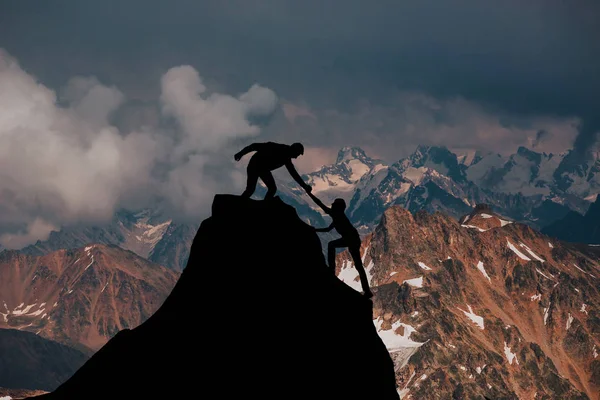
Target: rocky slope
x=485 y=307
x=267 y=320
x=80 y=297
x=31 y=362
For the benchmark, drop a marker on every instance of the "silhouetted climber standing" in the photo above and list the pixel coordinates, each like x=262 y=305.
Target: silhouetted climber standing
x=270 y=156
x=350 y=238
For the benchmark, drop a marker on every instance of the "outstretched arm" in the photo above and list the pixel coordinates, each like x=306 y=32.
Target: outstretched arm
x=330 y=227
x=246 y=150
x=320 y=203
x=296 y=176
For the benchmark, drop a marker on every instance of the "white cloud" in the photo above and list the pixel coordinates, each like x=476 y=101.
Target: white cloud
x=62 y=162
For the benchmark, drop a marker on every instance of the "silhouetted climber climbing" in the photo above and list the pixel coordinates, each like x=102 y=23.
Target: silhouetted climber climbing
x=270 y=156
x=350 y=238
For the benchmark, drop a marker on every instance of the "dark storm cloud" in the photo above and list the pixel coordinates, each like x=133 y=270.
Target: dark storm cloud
x=534 y=56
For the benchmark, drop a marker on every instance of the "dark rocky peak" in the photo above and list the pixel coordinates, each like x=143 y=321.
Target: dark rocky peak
x=437 y=154
x=271 y=301
x=480 y=155
x=482 y=207
x=438 y=158
x=352 y=153
x=594 y=211
x=530 y=154
x=575 y=163
x=351 y=165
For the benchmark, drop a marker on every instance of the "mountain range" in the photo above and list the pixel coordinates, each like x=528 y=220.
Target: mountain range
x=526 y=186
x=530 y=187
x=446 y=237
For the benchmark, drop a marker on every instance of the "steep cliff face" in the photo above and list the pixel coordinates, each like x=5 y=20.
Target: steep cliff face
x=256 y=313
x=484 y=307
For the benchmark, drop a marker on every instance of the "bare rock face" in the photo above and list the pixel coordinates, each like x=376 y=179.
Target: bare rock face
x=255 y=314
x=483 y=307
x=80 y=297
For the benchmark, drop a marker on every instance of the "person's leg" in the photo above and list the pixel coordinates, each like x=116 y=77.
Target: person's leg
x=251 y=182
x=333 y=245
x=269 y=182
x=354 y=250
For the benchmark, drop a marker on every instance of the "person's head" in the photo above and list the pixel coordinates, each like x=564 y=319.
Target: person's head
x=338 y=205
x=297 y=149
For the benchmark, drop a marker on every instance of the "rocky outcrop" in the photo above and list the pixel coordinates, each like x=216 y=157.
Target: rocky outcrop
x=256 y=313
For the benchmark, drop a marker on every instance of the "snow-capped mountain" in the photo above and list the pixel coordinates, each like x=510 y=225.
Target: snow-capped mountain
x=521 y=186
x=525 y=172
x=341 y=179
x=569 y=177
x=145 y=233
x=579 y=174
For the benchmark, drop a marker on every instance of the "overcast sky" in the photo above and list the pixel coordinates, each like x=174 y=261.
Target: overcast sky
x=146 y=99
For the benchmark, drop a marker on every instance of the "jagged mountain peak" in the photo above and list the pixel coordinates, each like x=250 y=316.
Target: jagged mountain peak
x=351 y=165
x=531 y=155
x=438 y=158
x=347 y=153
x=352 y=172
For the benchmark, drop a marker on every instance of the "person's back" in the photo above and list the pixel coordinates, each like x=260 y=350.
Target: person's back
x=271 y=156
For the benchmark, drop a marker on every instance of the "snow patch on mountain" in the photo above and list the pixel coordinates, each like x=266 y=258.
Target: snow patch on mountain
x=569 y=321
x=516 y=251
x=531 y=253
x=400 y=345
x=473 y=317
x=416 y=282
x=510 y=356
x=483 y=271
x=423 y=266
x=536 y=297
